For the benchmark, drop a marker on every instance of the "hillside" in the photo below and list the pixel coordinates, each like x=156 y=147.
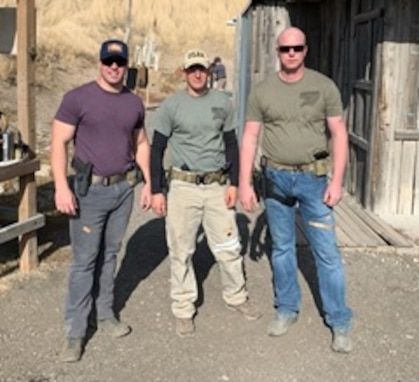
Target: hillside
x=69 y=34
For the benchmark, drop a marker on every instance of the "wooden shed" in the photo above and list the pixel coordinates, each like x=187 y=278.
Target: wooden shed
x=371 y=49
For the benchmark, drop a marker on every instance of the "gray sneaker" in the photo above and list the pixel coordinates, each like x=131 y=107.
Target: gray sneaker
x=341 y=341
x=247 y=309
x=185 y=327
x=113 y=327
x=280 y=325
x=71 y=351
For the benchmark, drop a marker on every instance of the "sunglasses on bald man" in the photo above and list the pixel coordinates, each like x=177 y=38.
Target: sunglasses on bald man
x=287 y=48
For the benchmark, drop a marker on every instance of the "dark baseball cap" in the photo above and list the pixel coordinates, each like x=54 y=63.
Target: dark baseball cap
x=114 y=48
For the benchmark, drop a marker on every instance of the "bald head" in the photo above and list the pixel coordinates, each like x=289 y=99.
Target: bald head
x=292 y=36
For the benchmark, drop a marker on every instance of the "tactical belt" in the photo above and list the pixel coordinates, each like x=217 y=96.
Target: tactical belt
x=307 y=167
x=197 y=178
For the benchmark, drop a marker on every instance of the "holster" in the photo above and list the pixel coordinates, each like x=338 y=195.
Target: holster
x=259 y=184
x=264 y=187
x=83 y=176
x=135 y=175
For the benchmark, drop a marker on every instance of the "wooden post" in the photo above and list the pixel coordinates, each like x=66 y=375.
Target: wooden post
x=26 y=53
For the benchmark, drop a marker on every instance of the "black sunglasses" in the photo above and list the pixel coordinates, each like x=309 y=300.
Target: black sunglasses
x=120 y=62
x=286 y=48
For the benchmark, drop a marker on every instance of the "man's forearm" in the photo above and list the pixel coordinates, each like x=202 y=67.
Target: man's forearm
x=59 y=164
x=247 y=157
x=143 y=159
x=340 y=156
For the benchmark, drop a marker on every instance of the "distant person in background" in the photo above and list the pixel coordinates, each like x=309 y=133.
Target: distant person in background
x=106 y=123
x=219 y=74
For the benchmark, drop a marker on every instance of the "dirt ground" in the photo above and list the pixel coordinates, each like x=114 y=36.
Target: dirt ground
x=383 y=290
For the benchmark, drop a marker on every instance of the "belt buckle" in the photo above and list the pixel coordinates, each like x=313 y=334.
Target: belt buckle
x=199 y=179
x=206 y=179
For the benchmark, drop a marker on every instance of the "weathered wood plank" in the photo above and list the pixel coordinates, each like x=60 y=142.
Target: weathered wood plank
x=407 y=174
x=18 y=169
x=416 y=184
x=360 y=233
x=367 y=16
x=406 y=135
x=387 y=233
x=362 y=230
x=26 y=24
x=14 y=230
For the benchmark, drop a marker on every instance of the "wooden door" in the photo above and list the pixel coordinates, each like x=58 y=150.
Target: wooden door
x=366 y=34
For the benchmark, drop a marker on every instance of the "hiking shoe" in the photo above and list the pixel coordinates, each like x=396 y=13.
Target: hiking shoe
x=247 y=309
x=280 y=325
x=113 y=327
x=71 y=351
x=341 y=342
x=185 y=327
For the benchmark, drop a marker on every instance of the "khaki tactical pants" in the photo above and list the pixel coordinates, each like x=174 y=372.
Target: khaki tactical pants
x=189 y=205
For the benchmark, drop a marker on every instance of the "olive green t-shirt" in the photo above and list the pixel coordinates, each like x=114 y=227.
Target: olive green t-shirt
x=294 y=115
x=195 y=127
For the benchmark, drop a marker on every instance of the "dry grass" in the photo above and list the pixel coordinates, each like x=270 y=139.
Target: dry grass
x=70 y=30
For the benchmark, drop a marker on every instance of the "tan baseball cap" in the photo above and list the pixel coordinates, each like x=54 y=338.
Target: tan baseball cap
x=196 y=57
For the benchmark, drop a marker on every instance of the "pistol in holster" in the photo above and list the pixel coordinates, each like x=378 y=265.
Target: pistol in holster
x=83 y=176
x=266 y=187
x=259 y=183
x=321 y=163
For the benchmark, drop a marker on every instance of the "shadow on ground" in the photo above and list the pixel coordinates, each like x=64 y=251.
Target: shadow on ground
x=260 y=244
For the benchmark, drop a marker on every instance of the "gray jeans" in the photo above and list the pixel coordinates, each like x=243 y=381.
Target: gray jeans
x=96 y=234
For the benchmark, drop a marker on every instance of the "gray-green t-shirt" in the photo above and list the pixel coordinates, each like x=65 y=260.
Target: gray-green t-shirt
x=195 y=127
x=294 y=115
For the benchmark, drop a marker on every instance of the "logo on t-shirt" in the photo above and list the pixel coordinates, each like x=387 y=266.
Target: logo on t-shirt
x=218 y=113
x=309 y=98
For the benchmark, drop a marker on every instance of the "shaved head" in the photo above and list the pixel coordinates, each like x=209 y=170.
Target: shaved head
x=292 y=36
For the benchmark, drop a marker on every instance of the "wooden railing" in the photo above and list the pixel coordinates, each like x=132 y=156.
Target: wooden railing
x=28 y=220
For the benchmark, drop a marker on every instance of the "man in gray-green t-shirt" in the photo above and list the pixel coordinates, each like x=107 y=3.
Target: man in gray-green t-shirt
x=296 y=110
x=199 y=125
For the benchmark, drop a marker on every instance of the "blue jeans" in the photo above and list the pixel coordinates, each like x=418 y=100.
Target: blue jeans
x=319 y=225
x=96 y=234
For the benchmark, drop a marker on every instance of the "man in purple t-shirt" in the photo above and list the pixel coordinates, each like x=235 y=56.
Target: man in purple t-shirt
x=106 y=123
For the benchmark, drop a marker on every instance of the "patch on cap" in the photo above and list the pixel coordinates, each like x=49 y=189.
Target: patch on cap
x=196 y=57
x=114 y=48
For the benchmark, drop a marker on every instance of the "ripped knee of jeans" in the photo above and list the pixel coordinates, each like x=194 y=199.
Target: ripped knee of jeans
x=326 y=223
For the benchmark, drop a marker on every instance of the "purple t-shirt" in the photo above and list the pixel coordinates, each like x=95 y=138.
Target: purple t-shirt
x=105 y=124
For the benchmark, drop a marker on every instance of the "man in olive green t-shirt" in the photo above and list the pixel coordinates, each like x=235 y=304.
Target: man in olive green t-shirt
x=199 y=125
x=296 y=110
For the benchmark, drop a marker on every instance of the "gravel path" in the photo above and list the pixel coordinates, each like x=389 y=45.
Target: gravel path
x=382 y=289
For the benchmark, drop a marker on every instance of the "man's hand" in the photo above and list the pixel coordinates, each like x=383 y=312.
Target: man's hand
x=145 y=197
x=158 y=204
x=231 y=196
x=248 y=197
x=65 y=201
x=333 y=194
